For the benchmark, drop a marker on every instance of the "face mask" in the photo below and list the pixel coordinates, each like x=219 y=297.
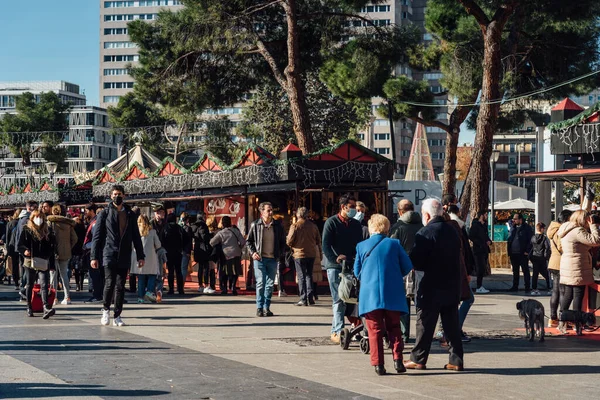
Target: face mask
x=118 y=200
x=351 y=212
x=38 y=221
x=359 y=216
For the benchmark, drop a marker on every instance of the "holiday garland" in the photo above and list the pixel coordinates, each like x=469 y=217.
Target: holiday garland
x=576 y=120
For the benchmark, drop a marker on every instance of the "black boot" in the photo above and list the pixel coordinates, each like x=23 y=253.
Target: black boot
x=29 y=312
x=399 y=366
x=380 y=370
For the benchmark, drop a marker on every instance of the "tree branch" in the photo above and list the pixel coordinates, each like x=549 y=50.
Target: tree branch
x=262 y=49
x=437 y=124
x=504 y=12
x=259 y=7
x=343 y=15
x=474 y=10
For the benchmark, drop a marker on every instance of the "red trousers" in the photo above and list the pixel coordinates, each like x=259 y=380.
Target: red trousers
x=377 y=322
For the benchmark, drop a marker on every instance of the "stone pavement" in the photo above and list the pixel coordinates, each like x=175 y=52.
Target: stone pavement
x=212 y=347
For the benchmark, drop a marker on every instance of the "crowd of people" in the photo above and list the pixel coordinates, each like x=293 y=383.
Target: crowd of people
x=426 y=259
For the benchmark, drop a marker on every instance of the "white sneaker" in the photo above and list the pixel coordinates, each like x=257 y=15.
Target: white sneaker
x=210 y=290
x=482 y=290
x=118 y=322
x=535 y=292
x=66 y=301
x=206 y=289
x=282 y=293
x=105 y=317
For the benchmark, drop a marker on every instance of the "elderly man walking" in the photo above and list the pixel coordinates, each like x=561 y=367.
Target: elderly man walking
x=405 y=230
x=436 y=254
x=341 y=234
x=305 y=241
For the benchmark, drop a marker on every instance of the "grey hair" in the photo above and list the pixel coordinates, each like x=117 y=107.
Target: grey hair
x=302 y=212
x=433 y=207
x=264 y=204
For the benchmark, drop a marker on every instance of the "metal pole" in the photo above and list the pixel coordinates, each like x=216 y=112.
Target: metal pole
x=392 y=139
x=493 y=198
x=519 y=164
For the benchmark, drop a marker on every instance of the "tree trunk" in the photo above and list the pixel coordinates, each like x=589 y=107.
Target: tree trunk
x=449 y=184
x=487 y=119
x=295 y=86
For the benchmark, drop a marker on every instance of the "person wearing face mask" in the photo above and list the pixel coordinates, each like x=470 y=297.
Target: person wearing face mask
x=361 y=211
x=36 y=243
x=30 y=206
x=341 y=234
x=115 y=232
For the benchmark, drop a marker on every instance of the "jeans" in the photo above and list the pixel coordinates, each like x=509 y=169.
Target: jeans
x=464 y=308
x=185 y=261
x=146 y=283
x=304 y=269
x=339 y=307
x=481 y=261
x=520 y=261
x=97 y=277
x=572 y=294
x=114 y=286
x=174 y=269
x=379 y=321
x=557 y=293
x=14 y=257
x=264 y=270
x=405 y=321
x=540 y=266
x=32 y=277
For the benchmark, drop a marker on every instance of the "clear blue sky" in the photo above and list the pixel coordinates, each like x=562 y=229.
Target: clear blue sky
x=51 y=40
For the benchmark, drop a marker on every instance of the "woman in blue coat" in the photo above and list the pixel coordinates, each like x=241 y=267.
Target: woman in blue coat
x=380 y=265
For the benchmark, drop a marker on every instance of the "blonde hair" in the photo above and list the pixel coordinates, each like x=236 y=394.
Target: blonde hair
x=144 y=225
x=40 y=232
x=16 y=213
x=580 y=218
x=212 y=224
x=378 y=223
x=360 y=204
x=56 y=210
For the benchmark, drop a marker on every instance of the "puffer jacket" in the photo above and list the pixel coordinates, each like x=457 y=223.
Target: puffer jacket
x=66 y=237
x=576 y=260
x=555 y=246
x=540 y=248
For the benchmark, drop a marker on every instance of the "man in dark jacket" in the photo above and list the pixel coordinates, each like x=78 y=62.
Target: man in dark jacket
x=11 y=247
x=519 y=247
x=96 y=275
x=478 y=234
x=405 y=230
x=202 y=252
x=341 y=234
x=539 y=256
x=436 y=254
x=266 y=243
x=115 y=231
x=172 y=241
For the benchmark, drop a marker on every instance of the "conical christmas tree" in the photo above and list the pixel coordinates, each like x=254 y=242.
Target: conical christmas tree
x=420 y=167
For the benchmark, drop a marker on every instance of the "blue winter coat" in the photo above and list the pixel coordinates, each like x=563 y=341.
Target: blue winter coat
x=380 y=274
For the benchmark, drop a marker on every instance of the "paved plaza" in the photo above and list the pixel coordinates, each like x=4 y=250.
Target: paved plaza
x=212 y=347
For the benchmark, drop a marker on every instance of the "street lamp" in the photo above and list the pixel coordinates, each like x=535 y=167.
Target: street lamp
x=493 y=160
x=51 y=167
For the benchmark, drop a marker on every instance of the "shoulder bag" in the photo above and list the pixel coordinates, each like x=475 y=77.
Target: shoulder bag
x=37 y=263
x=349 y=287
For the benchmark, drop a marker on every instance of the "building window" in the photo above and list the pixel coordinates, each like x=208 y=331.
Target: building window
x=129 y=17
x=125 y=58
x=438 y=156
x=116 y=31
x=382 y=136
x=436 y=142
x=404 y=15
x=382 y=150
x=405 y=140
x=512 y=161
x=73 y=151
x=360 y=136
x=405 y=153
x=512 y=148
x=90 y=135
x=433 y=76
x=381 y=122
x=116 y=71
x=119 y=45
x=111 y=99
x=118 y=85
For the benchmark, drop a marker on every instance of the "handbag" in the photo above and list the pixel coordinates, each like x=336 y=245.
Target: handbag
x=349 y=287
x=37 y=263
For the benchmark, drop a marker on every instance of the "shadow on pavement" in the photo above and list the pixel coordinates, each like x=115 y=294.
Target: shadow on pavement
x=58 y=345
x=517 y=371
x=38 y=390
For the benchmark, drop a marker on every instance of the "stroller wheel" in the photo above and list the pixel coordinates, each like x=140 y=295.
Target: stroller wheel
x=364 y=345
x=345 y=338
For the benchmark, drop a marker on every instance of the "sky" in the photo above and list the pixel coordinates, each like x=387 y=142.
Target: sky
x=51 y=40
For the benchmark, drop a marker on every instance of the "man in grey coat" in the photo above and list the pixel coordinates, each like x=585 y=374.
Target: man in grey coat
x=405 y=230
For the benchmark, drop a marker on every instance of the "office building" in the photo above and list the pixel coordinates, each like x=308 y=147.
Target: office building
x=68 y=93
x=116 y=49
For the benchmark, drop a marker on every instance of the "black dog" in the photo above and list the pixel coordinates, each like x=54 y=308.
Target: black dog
x=580 y=319
x=532 y=312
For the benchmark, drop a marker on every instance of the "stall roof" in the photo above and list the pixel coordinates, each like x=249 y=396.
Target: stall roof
x=567 y=175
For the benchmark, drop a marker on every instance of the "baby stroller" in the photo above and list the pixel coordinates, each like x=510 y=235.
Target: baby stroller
x=362 y=335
